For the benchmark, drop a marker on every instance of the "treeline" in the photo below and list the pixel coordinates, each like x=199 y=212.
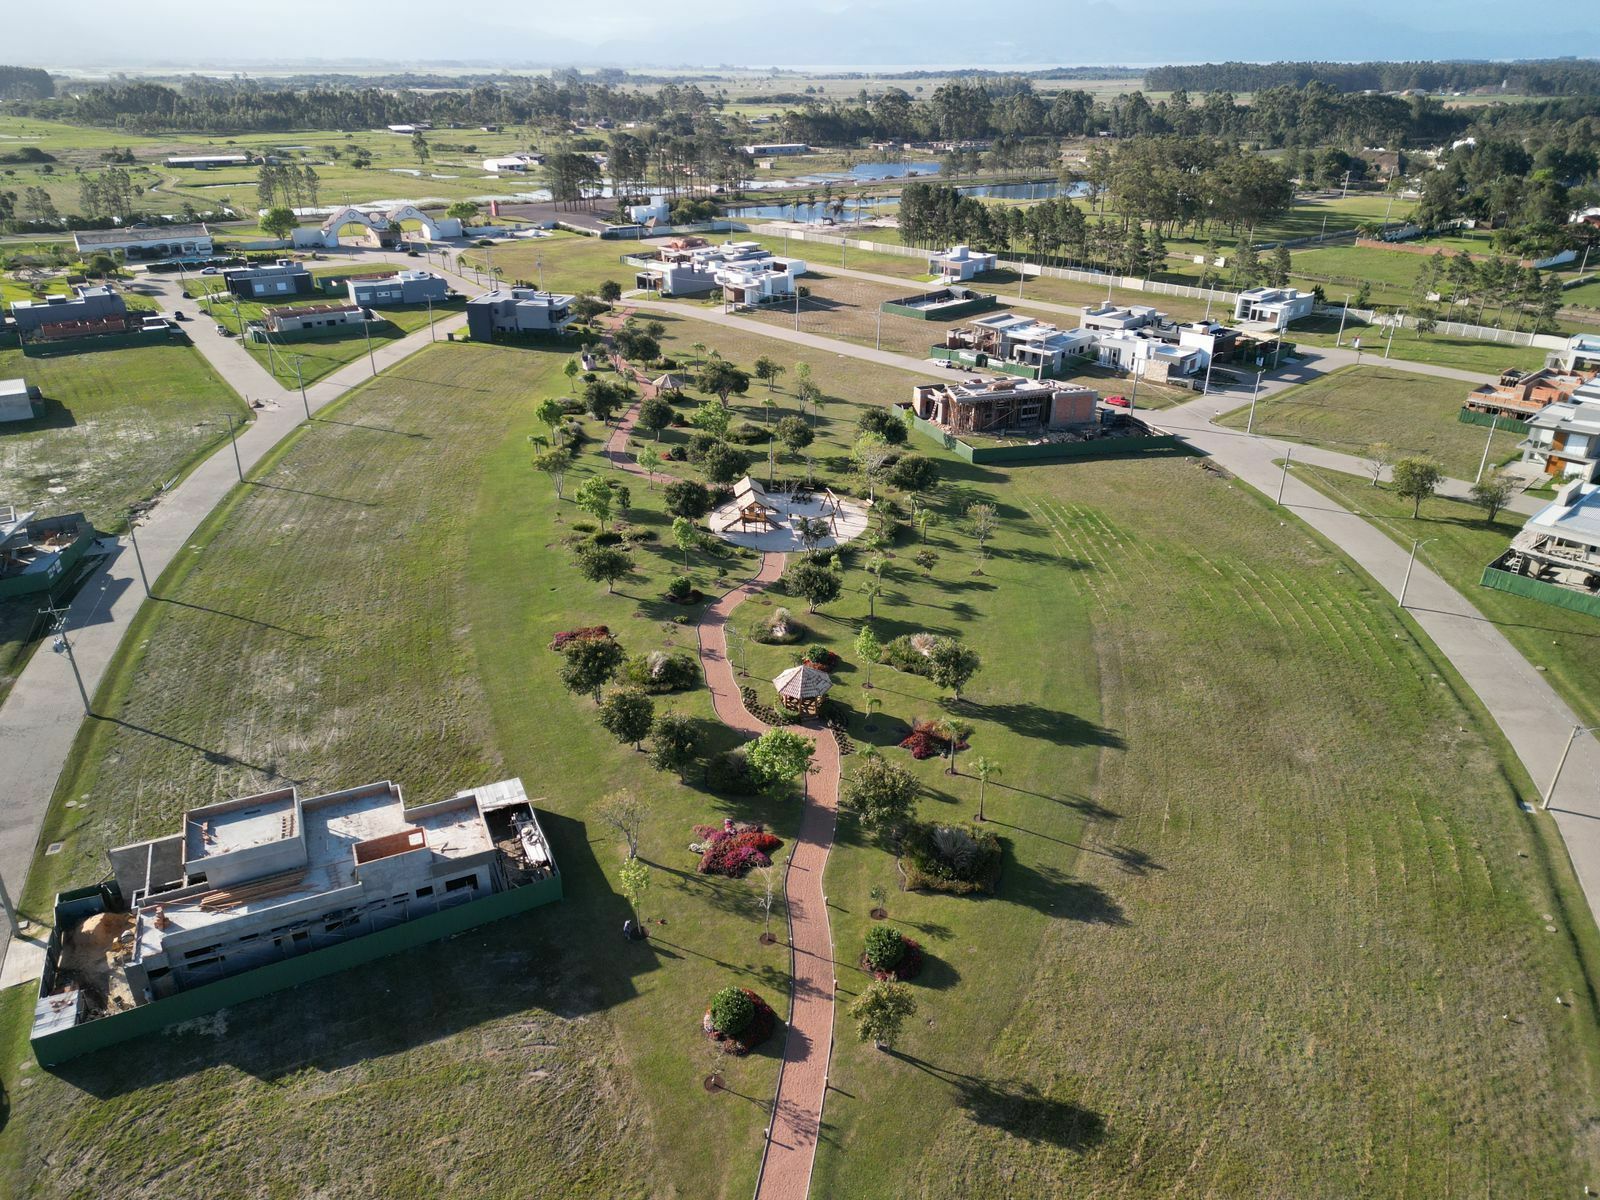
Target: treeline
x=1524 y=196
x=26 y=83
x=1558 y=77
x=219 y=106
x=1313 y=115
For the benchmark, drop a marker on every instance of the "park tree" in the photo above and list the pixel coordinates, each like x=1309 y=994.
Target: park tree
x=649 y=460
x=985 y=769
x=655 y=414
x=915 y=475
x=768 y=371
x=951 y=664
x=555 y=463
x=551 y=415
x=419 y=146
x=571 y=370
x=955 y=734
x=795 y=434
x=881 y=1011
x=627 y=715
x=674 y=738
x=881 y=795
x=723 y=464
x=778 y=757
x=596 y=498
x=610 y=291
x=625 y=813
x=603 y=564
x=685 y=537
x=1416 y=478
x=279 y=222
x=588 y=664
x=885 y=422
x=722 y=379
x=462 y=210
x=811 y=581
x=633 y=880
x=873 y=457
x=982 y=519
x=1492 y=494
x=868 y=648
x=687 y=498
x=1379 y=456
x=712 y=418
x=602 y=398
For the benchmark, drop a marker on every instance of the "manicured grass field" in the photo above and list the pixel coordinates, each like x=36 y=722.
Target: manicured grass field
x=318 y=356
x=1464 y=354
x=1352 y=408
x=1461 y=543
x=1258 y=848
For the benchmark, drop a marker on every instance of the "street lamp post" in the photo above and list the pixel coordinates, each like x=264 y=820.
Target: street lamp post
x=1411 y=562
x=301 y=383
x=1562 y=762
x=137 y=557
x=236 y=461
x=1250 y=424
x=366 y=328
x=58 y=626
x=1393 y=321
x=1343 y=313
x=1494 y=421
x=1284 y=478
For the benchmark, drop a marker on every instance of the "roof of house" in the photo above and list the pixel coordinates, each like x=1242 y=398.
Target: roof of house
x=1575 y=518
x=140 y=233
x=303 y=310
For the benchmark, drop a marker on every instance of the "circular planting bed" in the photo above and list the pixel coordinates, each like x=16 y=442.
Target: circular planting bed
x=739 y=1019
x=891 y=955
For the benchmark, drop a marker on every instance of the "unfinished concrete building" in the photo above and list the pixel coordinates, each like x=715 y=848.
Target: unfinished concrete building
x=1004 y=406
x=258 y=893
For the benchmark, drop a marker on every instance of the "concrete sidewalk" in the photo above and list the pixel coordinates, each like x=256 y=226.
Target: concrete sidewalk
x=42 y=714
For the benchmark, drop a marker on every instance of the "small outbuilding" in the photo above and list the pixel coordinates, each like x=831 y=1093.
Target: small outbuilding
x=752 y=503
x=16 y=403
x=802 y=688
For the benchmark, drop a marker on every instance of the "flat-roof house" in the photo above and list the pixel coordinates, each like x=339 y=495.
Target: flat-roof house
x=16 y=401
x=1109 y=317
x=1012 y=339
x=404 y=287
x=1582 y=353
x=86 y=304
x=205 y=162
x=307 y=320
x=37 y=552
x=689 y=266
x=1148 y=357
x=282 y=278
x=1559 y=547
x=148 y=241
x=1523 y=394
x=775 y=149
x=998 y=406
x=513 y=163
x=1564 y=438
x=1277 y=307
x=246 y=887
x=517 y=310
x=755 y=282
x=961 y=263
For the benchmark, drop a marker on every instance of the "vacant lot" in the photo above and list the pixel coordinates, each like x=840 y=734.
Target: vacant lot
x=1353 y=408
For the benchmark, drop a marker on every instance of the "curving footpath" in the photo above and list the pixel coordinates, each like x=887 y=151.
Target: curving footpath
x=791 y=1138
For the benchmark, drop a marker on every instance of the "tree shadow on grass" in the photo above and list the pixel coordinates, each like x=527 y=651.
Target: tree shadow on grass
x=1053 y=892
x=1046 y=724
x=1019 y=1109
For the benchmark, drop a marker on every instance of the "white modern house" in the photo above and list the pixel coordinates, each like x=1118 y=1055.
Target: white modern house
x=1582 y=353
x=1277 y=307
x=751 y=284
x=1557 y=553
x=1564 y=439
x=960 y=263
x=1111 y=317
x=513 y=163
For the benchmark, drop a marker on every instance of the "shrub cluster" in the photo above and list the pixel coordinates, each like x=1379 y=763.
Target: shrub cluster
x=819 y=656
x=766 y=631
x=925 y=741
x=659 y=672
x=578 y=635
x=751 y=1016
x=900 y=654
x=956 y=857
x=733 y=852
x=890 y=954
x=730 y=773
x=762 y=712
x=746 y=434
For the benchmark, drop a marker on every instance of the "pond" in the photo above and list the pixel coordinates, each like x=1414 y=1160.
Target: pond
x=859 y=209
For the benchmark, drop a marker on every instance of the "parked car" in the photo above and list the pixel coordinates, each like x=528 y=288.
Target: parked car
x=412 y=254
x=222 y=329
x=210 y=271
x=1119 y=401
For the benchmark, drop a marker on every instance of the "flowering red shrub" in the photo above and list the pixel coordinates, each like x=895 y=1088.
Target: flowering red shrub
x=908 y=966
x=925 y=741
x=734 y=851
x=587 y=633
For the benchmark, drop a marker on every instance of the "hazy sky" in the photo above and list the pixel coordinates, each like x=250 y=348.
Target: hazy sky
x=940 y=33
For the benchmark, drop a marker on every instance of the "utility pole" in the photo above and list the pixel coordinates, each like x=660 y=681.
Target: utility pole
x=432 y=337
x=1206 y=390
x=1284 y=478
x=1343 y=313
x=1494 y=422
x=1411 y=562
x=1556 y=778
x=1397 y=320
x=877 y=341
x=1251 y=423
x=236 y=462
x=366 y=328
x=300 y=380
x=58 y=626
x=797 y=307
x=137 y=557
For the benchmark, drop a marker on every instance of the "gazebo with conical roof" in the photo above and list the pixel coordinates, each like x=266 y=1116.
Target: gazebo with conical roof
x=802 y=688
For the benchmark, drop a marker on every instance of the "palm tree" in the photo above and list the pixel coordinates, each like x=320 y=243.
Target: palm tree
x=955 y=732
x=984 y=768
x=699 y=349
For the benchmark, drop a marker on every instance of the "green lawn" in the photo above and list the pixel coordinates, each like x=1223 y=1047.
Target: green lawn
x=1463 y=354
x=1352 y=408
x=1258 y=848
x=1565 y=644
x=321 y=355
x=114 y=427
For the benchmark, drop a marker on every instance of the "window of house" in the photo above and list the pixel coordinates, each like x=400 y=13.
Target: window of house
x=456 y=885
x=424 y=891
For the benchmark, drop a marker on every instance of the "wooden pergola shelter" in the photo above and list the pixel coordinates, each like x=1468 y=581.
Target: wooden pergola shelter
x=751 y=498
x=802 y=688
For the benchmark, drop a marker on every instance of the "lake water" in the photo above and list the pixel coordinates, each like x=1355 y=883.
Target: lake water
x=864 y=209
